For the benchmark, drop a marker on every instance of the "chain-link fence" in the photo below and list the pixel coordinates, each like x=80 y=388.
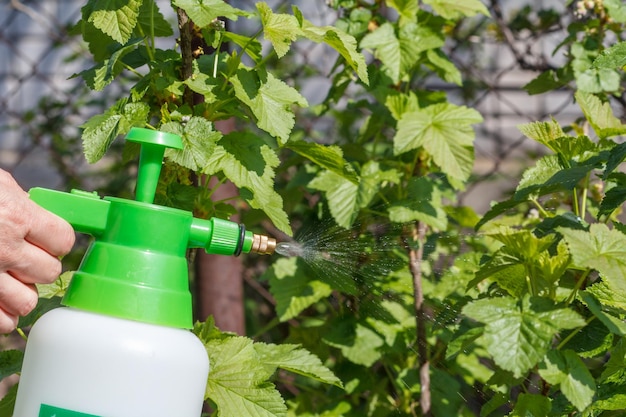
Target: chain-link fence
x=40 y=103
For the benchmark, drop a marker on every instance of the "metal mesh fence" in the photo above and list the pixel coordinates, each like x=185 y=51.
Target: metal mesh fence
x=40 y=103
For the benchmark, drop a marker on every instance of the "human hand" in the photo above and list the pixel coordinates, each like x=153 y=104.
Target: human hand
x=31 y=240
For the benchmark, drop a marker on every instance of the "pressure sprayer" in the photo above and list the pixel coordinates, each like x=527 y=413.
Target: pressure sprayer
x=121 y=346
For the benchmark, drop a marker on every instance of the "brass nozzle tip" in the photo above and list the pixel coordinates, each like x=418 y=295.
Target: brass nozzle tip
x=263 y=245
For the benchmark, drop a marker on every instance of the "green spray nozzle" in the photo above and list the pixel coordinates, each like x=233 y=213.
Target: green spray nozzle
x=136 y=266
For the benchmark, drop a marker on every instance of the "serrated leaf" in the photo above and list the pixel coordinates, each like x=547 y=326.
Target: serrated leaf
x=346 y=198
x=611 y=300
x=10 y=362
x=567 y=370
x=340 y=41
x=600 y=115
x=451 y=9
x=237 y=381
x=614 y=324
x=616 y=157
x=199 y=140
x=293 y=290
x=531 y=405
x=57 y=288
x=279 y=28
x=546 y=81
x=294 y=358
x=104 y=73
x=249 y=163
x=101 y=130
x=407 y=9
x=518 y=335
x=270 y=100
x=116 y=18
x=445 y=132
x=617 y=360
x=327 y=157
x=400 y=52
x=613 y=57
x=601 y=249
x=204 y=12
x=423 y=203
x=543 y=132
x=444 y=68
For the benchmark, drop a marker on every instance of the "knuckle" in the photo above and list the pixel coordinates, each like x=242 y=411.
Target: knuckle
x=28 y=303
x=8 y=322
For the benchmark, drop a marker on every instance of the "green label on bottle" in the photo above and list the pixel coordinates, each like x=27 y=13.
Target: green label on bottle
x=49 y=411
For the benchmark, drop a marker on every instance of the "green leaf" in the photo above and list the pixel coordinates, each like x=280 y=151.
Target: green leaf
x=204 y=12
x=294 y=358
x=279 y=28
x=616 y=157
x=543 y=132
x=199 y=141
x=617 y=360
x=424 y=203
x=600 y=115
x=101 y=130
x=249 y=163
x=601 y=249
x=10 y=362
x=7 y=404
x=346 y=198
x=327 y=157
x=445 y=132
x=609 y=299
x=547 y=81
x=531 y=405
x=613 y=57
x=340 y=41
x=116 y=18
x=407 y=9
x=614 y=324
x=444 y=68
x=566 y=369
x=104 y=73
x=292 y=289
x=400 y=52
x=617 y=10
x=613 y=199
x=358 y=343
x=270 y=100
x=451 y=9
x=237 y=382
x=151 y=21
x=598 y=80
x=518 y=335
x=57 y=288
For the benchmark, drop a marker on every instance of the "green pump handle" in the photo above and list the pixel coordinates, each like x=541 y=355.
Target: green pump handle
x=136 y=266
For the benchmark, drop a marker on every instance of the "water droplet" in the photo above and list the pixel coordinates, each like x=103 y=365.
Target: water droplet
x=289 y=249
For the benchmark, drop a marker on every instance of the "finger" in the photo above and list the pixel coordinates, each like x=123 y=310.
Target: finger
x=32 y=265
x=16 y=298
x=48 y=231
x=8 y=322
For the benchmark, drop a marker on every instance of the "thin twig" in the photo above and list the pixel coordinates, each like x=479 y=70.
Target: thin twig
x=418 y=237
